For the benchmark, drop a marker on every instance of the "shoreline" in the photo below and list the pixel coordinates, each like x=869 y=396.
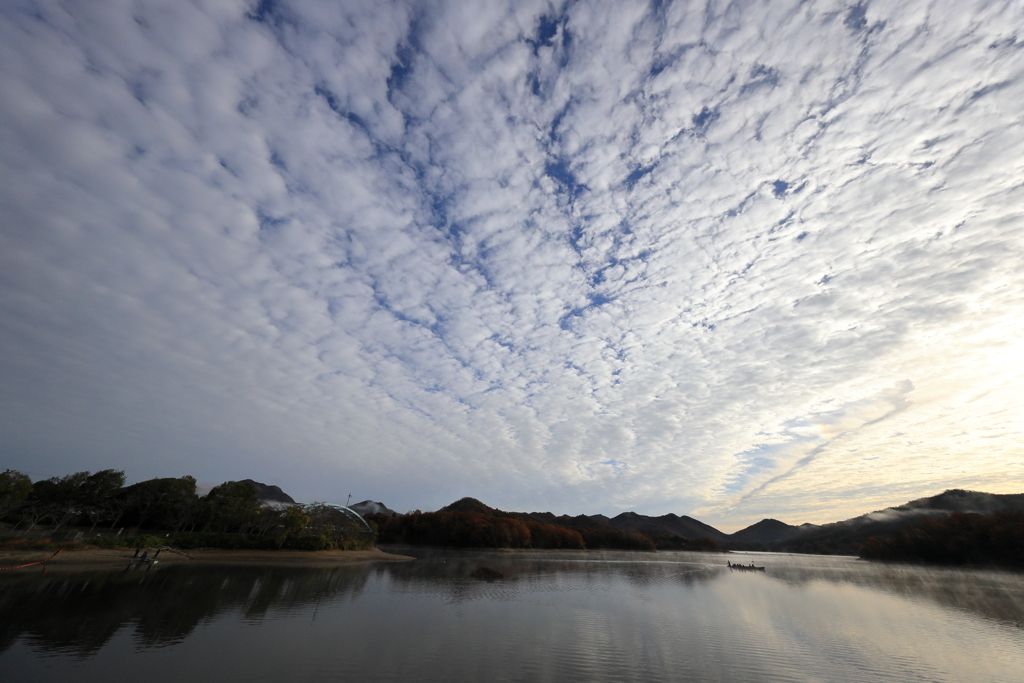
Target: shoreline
x=118 y=558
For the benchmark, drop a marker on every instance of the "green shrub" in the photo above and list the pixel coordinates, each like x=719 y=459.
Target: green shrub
x=139 y=541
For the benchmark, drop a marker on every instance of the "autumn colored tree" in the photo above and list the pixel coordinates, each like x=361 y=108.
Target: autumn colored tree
x=554 y=537
x=958 y=538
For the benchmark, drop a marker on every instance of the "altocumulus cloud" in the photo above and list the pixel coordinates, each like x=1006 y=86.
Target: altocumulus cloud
x=731 y=259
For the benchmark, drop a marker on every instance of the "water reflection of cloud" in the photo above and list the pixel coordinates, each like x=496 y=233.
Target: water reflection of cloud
x=589 y=616
x=994 y=595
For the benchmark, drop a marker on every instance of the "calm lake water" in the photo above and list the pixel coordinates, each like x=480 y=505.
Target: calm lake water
x=595 y=616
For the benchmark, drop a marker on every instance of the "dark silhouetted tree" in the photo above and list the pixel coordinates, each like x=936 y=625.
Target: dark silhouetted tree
x=159 y=503
x=15 y=488
x=232 y=506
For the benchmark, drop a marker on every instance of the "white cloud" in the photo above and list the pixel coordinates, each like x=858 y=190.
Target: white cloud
x=686 y=259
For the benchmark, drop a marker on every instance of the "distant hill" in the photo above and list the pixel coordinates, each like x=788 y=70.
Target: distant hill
x=627 y=521
x=847 y=536
x=273 y=494
x=468 y=523
x=592 y=522
x=468 y=505
x=666 y=524
x=767 y=531
x=958 y=538
x=671 y=531
x=369 y=507
x=959 y=500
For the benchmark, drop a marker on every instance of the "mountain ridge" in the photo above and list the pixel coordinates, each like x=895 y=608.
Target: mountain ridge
x=844 y=537
x=671 y=523
x=268 y=492
x=773 y=534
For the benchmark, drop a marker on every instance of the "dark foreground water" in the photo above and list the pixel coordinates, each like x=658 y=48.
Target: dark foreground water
x=553 y=617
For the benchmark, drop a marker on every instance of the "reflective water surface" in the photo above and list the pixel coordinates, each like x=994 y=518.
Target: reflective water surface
x=589 y=616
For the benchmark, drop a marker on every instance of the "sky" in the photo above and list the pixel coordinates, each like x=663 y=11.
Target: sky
x=733 y=260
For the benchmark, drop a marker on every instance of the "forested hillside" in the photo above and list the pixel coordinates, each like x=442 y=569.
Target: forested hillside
x=100 y=508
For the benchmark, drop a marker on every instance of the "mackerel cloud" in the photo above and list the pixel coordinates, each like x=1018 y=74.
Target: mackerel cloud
x=728 y=259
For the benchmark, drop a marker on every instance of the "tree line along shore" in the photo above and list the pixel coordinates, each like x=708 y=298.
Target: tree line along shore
x=468 y=523
x=97 y=509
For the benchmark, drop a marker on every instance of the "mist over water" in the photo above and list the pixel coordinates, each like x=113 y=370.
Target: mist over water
x=589 y=616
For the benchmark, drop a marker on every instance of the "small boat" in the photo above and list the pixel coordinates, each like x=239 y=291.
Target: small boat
x=744 y=567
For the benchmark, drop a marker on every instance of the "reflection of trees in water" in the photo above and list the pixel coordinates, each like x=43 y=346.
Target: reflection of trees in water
x=78 y=614
x=449 y=573
x=990 y=594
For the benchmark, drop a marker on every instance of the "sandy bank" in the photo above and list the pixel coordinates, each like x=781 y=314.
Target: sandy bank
x=93 y=559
